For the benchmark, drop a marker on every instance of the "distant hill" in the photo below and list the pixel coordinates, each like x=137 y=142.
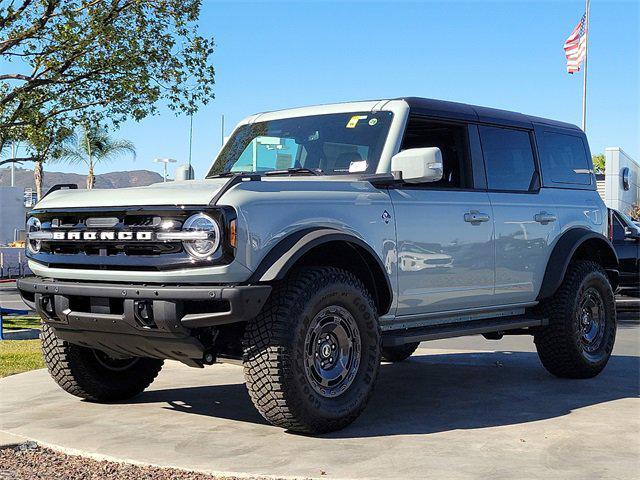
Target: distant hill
x=133 y=178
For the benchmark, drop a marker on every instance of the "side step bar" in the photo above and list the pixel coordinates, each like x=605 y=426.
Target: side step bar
x=394 y=338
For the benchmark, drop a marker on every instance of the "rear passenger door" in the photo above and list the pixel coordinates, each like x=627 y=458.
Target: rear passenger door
x=525 y=217
x=444 y=229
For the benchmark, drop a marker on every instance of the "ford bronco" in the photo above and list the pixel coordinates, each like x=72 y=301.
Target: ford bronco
x=323 y=240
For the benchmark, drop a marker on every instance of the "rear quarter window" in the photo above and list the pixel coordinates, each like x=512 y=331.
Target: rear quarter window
x=564 y=159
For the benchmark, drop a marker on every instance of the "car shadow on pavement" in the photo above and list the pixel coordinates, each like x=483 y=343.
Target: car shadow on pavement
x=436 y=393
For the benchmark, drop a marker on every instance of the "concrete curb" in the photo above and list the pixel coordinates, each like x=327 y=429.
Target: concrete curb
x=9 y=440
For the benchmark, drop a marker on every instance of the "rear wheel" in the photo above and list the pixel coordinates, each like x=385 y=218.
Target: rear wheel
x=311 y=357
x=399 y=353
x=92 y=374
x=579 y=339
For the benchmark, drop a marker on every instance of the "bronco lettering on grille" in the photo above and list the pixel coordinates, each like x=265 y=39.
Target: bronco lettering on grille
x=103 y=235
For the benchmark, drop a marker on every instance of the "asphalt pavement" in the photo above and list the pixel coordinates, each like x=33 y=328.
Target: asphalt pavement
x=10 y=298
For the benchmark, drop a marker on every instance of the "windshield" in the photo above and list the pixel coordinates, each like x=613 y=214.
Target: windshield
x=337 y=143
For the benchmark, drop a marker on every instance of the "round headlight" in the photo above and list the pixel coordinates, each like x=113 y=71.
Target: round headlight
x=33 y=225
x=206 y=247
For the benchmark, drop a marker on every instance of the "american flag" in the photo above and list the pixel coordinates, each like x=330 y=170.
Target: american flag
x=575 y=48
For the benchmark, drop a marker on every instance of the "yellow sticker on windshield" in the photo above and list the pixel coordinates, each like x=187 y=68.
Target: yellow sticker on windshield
x=353 y=121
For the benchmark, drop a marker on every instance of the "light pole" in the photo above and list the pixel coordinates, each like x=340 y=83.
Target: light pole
x=165 y=162
x=14 y=147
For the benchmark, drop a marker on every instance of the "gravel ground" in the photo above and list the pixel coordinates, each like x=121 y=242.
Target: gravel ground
x=32 y=462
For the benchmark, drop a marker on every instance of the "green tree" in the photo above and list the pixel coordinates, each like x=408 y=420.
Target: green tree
x=98 y=62
x=598 y=163
x=92 y=145
x=43 y=143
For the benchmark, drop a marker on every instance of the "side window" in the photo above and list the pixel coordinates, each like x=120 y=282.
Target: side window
x=508 y=159
x=453 y=142
x=564 y=159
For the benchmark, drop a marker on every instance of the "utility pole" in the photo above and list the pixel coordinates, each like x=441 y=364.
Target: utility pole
x=222 y=131
x=190 y=138
x=13 y=164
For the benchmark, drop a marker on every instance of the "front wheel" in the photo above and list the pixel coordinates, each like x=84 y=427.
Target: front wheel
x=579 y=339
x=92 y=374
x=311 y=357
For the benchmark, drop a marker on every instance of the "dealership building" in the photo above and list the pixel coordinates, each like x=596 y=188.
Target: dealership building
x=620 y=184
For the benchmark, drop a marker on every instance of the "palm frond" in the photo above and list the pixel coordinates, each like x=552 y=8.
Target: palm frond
x=94 y=144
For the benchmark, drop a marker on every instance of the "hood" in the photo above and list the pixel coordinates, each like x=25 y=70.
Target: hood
x=191 y=192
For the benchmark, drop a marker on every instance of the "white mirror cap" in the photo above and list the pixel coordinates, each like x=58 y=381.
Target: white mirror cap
x=418 y=165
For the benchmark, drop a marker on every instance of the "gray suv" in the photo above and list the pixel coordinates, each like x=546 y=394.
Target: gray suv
x=322 y=241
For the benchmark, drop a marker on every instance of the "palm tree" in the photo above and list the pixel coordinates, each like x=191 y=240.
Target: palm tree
x=92 y=145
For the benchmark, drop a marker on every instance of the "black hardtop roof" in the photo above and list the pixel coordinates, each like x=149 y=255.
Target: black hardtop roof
x=463 y=111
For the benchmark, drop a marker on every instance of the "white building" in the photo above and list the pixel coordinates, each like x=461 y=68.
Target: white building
x=622 y=180
x=12 y=213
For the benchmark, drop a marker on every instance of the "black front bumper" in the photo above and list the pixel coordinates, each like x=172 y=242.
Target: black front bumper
x=103 y=315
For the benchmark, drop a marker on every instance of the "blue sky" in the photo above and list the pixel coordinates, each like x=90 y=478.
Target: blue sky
x=273 y=55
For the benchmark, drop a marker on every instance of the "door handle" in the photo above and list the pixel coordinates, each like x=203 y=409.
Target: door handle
x=475 y=217
x=544 y=217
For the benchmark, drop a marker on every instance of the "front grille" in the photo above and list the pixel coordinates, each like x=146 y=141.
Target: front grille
x=110 y=250
x=117 y=221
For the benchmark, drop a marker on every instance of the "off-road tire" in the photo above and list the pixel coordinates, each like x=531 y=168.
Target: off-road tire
x=274 y=351
x=560 y=346
x=77 y=371
x=399 y=353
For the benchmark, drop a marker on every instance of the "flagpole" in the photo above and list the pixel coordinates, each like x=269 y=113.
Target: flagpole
x=584 y=76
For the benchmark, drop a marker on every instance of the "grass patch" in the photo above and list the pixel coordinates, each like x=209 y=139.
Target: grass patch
x=17 y=322
x=18 y=356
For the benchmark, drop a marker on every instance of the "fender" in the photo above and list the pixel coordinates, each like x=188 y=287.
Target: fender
x=563 y=252
x=285 y=254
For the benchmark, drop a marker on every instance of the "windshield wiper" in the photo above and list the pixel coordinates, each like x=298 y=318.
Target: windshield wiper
x=231 y=174
x=294 y=171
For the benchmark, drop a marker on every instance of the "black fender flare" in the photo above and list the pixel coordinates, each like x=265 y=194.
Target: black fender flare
x=286 y=253
x=563 y=253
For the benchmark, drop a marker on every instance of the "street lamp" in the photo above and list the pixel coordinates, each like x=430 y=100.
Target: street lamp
x=14 y=146
x=165 y=162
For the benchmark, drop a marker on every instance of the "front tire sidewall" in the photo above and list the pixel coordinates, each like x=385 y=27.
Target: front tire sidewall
x=343 y=405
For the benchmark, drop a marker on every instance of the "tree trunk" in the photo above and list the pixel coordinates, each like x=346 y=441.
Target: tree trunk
x=91 y=179
x=38 y=178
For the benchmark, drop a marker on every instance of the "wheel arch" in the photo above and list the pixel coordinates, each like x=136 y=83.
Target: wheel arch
x=578 y=243
x=330 y=247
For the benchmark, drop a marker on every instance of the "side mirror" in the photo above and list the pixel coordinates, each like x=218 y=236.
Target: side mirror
x=632 y=233
x=418 y=165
